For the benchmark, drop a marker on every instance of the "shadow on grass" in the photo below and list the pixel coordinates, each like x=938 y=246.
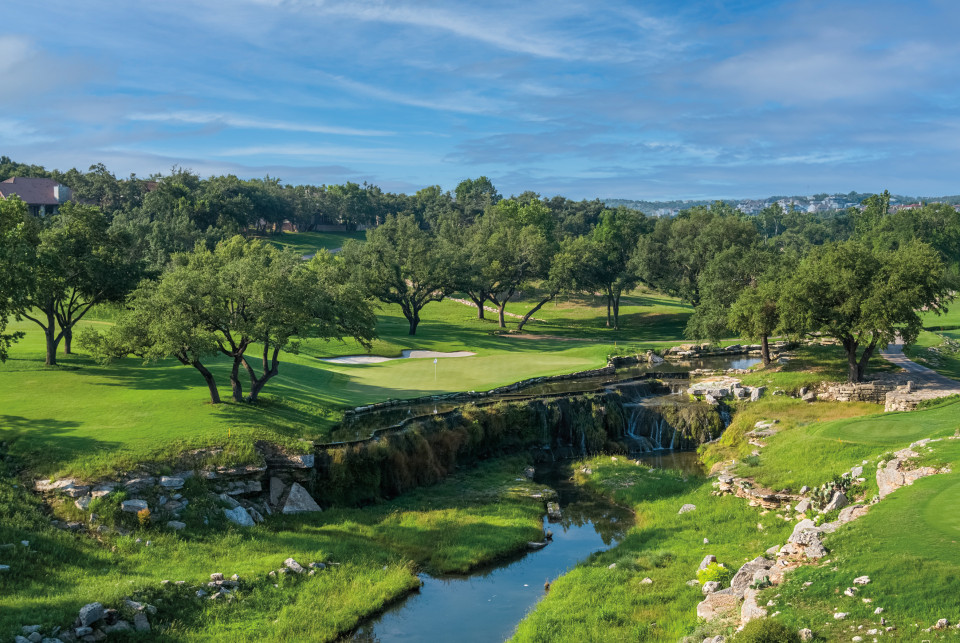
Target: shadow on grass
x=44 y=442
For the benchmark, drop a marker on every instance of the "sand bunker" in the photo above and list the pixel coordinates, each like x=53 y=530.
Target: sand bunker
x=407 y=354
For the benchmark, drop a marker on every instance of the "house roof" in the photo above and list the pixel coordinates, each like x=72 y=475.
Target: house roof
x=34 y=191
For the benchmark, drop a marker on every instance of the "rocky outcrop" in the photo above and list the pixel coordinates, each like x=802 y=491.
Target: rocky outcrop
x=719 y=606
x=898 y=473
x=750 y=609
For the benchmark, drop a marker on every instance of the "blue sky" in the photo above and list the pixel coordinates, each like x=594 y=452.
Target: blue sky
x=644 y=100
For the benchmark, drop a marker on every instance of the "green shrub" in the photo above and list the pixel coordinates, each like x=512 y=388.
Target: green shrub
x=766 y=630
x=715 y=571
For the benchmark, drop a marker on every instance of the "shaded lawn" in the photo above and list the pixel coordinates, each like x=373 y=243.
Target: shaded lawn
x=467 y=521
x=308 y=243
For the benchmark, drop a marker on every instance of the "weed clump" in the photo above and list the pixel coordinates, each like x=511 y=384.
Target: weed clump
x=715 y=572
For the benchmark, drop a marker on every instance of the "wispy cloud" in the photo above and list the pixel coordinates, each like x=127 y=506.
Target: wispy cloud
x=242 y=122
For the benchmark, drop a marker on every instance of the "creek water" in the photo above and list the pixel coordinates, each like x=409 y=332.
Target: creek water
x=488 y=604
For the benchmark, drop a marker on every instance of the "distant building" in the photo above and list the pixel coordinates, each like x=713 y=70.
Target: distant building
x=42 y=196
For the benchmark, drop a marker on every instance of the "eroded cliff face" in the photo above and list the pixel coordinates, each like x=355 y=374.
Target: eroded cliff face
x=426 y=450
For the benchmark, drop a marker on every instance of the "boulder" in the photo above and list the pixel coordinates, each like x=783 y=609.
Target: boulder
x=718 y=606
x=299 y=501
x=685 y=508
x=176 y=525
x=838 y=501
x=133 y=506
x=171 y=482
x=750 y=610
x=861 y=580
x=710 y=587
x=140 y=622
x=239 y=516
x=90 y=613
x=293 y=566
x=803 y=506
x=806 y=634
x=83 y=503
x=233 y=504
x=744 y=576
x=276 y=490
x=851 y=513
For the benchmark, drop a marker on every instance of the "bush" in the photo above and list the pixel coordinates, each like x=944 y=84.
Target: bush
x=766 y=630
x=715 y=571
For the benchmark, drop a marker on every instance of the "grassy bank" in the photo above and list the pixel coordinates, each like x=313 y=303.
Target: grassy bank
x=471 y=519
x=595 y=602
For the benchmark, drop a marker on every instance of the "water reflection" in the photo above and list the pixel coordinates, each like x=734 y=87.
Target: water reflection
x=487 y=605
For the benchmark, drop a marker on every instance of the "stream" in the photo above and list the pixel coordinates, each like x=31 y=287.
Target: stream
x=487 y=604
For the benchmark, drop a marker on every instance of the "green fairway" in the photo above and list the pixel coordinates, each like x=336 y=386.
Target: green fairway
x=81 y=418
x=308 y=243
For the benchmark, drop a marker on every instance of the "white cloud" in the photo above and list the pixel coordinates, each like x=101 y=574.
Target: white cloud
x=210 y=118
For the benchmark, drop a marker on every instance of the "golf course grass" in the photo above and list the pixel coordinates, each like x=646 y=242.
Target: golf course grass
x=81 y=418
x=308 y=243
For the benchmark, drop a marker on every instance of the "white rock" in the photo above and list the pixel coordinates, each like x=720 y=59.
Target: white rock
x=133 y=506
x=687 y=507
x=239 y=516
x=840 y=616
x=171 y=482
x=299 y=501
x=861 y=580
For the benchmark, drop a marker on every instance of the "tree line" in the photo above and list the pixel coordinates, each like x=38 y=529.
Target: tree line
x=194 y=281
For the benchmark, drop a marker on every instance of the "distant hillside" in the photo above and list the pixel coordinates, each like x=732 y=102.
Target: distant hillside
x=812 y=203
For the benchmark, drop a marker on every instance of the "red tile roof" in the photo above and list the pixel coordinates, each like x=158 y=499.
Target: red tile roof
x=33 y=191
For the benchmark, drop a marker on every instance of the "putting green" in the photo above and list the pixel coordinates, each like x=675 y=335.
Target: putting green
x=895 y=429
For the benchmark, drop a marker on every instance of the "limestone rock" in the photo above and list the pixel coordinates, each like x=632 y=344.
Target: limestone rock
x=744 y=577
x=710 y=587
x=803 y=506
x=686 y=508
x=293 y=566
x=709 y=558
x=171 y=482
x=718 y=606
x=851 y=513
x=750 y=610
x=83 y=503
x=861 y=580
x=176 y=525
x=838 y=501
x=806 y=634
x=233 y=504
x=239 y=516
x=140 y=622
x=299 y=501
x=90 y=613
x=133 y=506
x=276 y=490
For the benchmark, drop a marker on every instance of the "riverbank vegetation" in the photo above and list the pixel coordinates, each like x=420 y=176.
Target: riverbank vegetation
x=372 y=556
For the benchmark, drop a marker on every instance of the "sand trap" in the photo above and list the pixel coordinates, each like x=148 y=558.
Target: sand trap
x=407 y=354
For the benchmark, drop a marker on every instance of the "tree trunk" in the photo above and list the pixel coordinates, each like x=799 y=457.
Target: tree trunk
x=616 y=312
x=235 y=384
x=479 y=301
x=529 y=314
x=854 y=373
x=500 y=312
x=765 y=350
x=50 y=334
x=67 y=340
x=270 y=369
x=414 y=322
x=51 y=345
x=208 y=378
x=608 y=310
x=864 y=358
